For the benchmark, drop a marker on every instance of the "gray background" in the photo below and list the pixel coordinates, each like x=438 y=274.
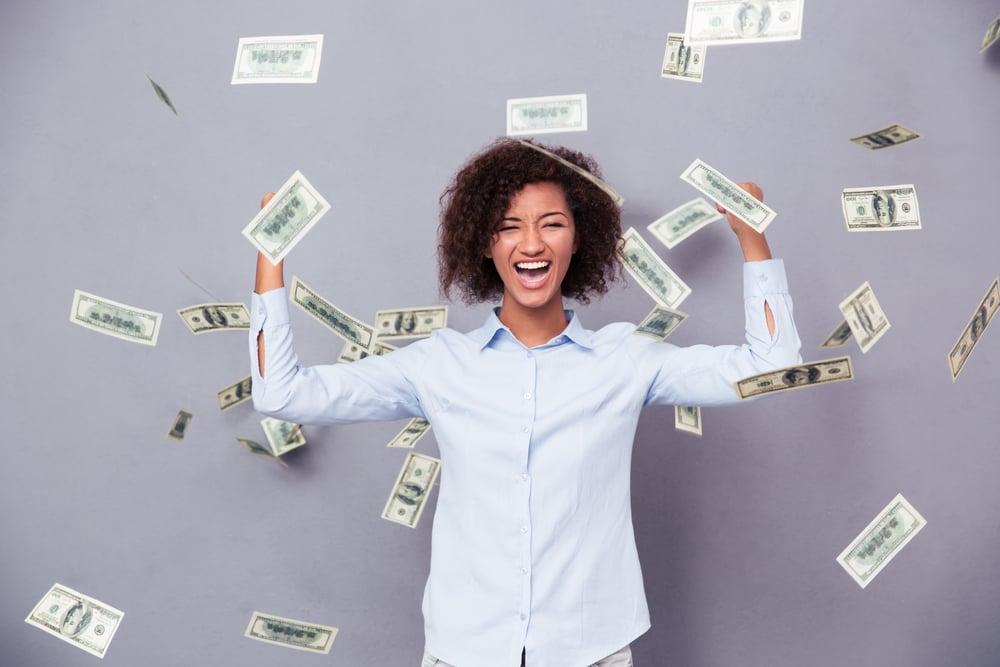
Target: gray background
x=105 y=190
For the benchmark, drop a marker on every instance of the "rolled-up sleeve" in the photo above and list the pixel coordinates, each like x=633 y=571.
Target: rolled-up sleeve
x=374 y=388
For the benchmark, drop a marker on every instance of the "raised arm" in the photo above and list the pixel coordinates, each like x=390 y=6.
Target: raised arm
x=269 y=277
x=752 y=242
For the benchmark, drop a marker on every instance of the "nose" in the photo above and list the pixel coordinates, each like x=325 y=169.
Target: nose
x=531 y=241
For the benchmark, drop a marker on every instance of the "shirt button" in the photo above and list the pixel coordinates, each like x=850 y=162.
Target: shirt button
x=524 y=617
x=527 y=395
x=528 y=355
x=524 y=477
x=524 y=570
x=524 y=529
x=524 y=429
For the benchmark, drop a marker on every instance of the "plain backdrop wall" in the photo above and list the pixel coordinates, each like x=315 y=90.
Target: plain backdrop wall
x=105 y=190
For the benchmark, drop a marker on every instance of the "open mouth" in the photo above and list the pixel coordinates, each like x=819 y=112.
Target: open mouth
x=532 y=272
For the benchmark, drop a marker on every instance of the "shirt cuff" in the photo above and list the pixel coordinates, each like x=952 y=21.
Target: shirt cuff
x=763 y=278
x=270 y=308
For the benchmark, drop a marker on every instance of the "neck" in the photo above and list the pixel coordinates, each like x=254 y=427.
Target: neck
x=533 y=326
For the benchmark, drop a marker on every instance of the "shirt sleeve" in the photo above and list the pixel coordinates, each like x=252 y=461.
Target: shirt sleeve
x=374 y=388
x=703 y=374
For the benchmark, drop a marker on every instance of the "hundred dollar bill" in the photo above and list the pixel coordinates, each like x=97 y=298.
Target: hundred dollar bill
x=893 y=135
x=162 y=94
x=865 y=317
x=618 y=199
x=354 y=352
x=76 y=618
x=542 y=115
x=687 y=419
x=181 y=422
x=293 y=634
x=257 y=448
x=409 y=493
x=885 y=208
x=286 y=218
x=282 y=436
x=974 y=329
x=234 y=394
x=215 y=317
x=410 y=322
x=743 y=21
x=682 y=61
x=881 y=540
x=840 y=335
x=415 y=429
x=795 y=377
x=639 y=259
x=992 y=35
x=288 y=59
x=660 y=322
x=342 y=324
x=733 y=198
x=683 y=221
x=115 y=319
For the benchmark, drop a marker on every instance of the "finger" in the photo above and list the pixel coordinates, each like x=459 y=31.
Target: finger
x=266 y=198
x=720 y=208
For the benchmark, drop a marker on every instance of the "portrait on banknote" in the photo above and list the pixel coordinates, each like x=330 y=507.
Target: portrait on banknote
x=883 y=208
x=801 y=375
x=76 y=620
x=753 y=17
x=409 y=493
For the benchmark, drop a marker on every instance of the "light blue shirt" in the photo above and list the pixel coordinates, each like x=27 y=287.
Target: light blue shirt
x=532 y=543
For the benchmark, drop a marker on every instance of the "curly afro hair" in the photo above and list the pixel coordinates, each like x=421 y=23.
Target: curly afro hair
x=473 y=206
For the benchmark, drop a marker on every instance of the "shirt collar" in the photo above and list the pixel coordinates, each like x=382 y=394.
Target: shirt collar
x=485 y=335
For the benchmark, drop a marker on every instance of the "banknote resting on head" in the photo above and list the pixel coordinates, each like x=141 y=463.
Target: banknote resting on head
x=534 y=559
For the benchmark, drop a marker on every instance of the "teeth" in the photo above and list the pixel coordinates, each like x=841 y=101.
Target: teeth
x=531 y=265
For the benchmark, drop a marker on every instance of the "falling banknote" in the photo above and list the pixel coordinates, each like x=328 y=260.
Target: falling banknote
x=410 y=322
x=666 y=288
x=618 y=199
x=162 y=94
x=181 y=422
x=660 y=323
x=865 y=317
x=413 y=485
x=77 y=619
x=286 y=218
x=216 y=317
x=683 y=221
x=894 y=135
x=350 y=329
x=353 y=352
x=682 y=61
x=795 y=377
x=256 y=448
x=885 y=208
x=290 y=59
x=234 y=394
x=881 y=540
x=731 y=196
x=415 y=429
x=743 y=21
x=293 y=634
x=282 y=436
x=688 y=419
x=974 y=330
x=839 y=337
x=115 y=319
x=992 y=35
x=542 y=115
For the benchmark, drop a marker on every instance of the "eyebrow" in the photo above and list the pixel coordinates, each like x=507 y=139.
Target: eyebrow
x=544 y=215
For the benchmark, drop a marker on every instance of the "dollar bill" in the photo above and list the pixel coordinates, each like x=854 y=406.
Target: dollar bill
x=688 y=419
x=865 y=317
x=415 y=429
x=162 y=94
x=215 y=317
x=660 y=323
x=639 y=259
x=293 y=634
x=354 y=352
x=413 y=485
x=992 y=35
x=682 y=61
x=234 y=394
x=282 y=436
x=881 y=540
x=795 y=377
x=78 y=619
x=885 y=208
x=181 y=421
x=410 y=322
x=840 y=335
x=618 y=199
x=743 y=21
x=342 y=324
x=542 y=115
x=733 y=198
x=894 y=135
x=683 y=221
x=256 y=448
x=287 y=218
x=286 y=59
x=974 y=329
x=115 y=319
